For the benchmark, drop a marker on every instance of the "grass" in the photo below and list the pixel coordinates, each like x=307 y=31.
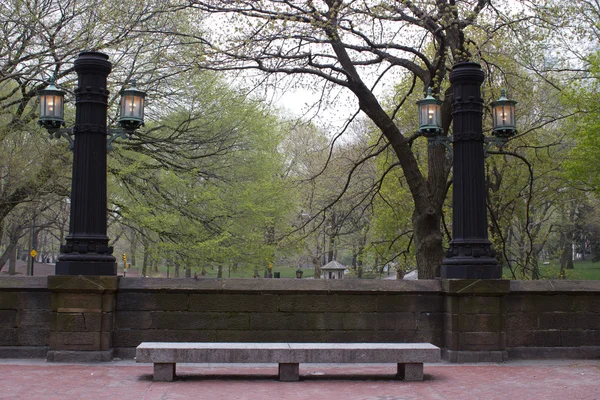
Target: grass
x=284 y=272
x=583 y=270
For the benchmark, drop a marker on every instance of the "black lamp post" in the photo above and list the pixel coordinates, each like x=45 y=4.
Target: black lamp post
x=86 y=251
x=470 y=255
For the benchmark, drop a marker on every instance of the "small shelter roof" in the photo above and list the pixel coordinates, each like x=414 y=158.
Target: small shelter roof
x=333 y=265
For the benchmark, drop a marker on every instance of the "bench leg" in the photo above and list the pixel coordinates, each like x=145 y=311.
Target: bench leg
x=289 y=372
x=164 y=372
x=410 y=372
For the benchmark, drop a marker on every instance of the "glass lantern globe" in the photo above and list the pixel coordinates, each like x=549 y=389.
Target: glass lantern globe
x=131 y=114
x=430 y=115
x=503 y=117
x=52 y=106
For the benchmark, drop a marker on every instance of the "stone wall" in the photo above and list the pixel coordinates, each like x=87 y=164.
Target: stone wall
x=25 y=317
x=277 y=310
x=481 y=320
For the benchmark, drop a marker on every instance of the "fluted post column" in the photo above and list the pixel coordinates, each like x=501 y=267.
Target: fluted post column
x=86 y=251
x=470 y=255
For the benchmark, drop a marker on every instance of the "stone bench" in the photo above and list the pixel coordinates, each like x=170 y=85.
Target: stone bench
x=408 y=356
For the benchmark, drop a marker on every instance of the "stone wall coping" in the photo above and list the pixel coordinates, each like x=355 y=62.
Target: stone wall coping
x=549 y=286
x=301 y=285
x=15 y=282
x=282 y=285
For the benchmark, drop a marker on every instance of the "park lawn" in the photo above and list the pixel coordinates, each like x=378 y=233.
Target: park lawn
x=583 y=270
x=285 y=272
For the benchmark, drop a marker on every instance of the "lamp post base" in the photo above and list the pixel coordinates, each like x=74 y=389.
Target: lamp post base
x=464 y=268
x=85 y=268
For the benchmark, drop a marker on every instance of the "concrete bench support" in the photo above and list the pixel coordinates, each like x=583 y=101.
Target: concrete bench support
x=289 y=372
x=410 y=371
x=164 y=372
x=409 y=357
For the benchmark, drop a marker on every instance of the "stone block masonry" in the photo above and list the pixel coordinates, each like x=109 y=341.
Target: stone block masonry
x=97 y=318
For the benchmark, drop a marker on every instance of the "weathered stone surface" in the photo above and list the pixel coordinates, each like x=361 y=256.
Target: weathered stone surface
x=522 y=321
x=568 y=353
x=81 y=283
x=132 y=338
x=21 y=300
x=482 y=341
x=522 y=338
x=152 y=301
x=289 y=372
x=32 y=337
x=579 y=338
x=8 y=337
x=480 y=322
x=78 y=322
x=197 y=320
x=586 y=304
x=476 y=286
x=8 y=319
x=557 y=285
x=387 y=286
x=539 y=303
x=30 y=318
x=410 y=303
x=466 y=356
x=133 y=319
x=23 y=282
x=76 y=341
x=164 y=372
x=79 y=356
x=569 y=321
x=479 y=304
x=265 y=336
x=77 y=302
x=330 y=303
x=23 y=351
x=234 y=302
x=410 y=372
x=379 y=321
x=299 y=321
x=288 y=352
x=169 y=284
x=427 y=321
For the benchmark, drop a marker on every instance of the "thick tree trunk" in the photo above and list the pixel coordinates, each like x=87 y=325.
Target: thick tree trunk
x=428 y=242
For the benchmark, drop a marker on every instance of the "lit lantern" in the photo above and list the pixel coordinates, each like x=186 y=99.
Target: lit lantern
x=503 y=114
x=132 y=108
x=52 y=106
x=430 y=116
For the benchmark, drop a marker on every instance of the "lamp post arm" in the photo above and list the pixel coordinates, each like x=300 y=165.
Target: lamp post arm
x=67 y=133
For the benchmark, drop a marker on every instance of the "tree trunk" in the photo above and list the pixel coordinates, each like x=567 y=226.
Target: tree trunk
x=428 y=242
x=220 y=272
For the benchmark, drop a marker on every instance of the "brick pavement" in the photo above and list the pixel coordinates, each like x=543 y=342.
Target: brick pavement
x=36 y=379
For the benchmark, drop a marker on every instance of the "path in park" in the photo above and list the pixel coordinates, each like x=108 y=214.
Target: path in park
x=522 y=380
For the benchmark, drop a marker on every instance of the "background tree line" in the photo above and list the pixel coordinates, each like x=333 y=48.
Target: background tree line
x=221 y=177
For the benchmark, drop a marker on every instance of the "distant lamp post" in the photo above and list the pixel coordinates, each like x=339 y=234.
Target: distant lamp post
x=299 y=273
x=86 y=251
x=504 y=123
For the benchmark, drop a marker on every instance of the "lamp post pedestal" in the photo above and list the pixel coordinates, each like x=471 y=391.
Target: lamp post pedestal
x=86 y=251
x=470 y=255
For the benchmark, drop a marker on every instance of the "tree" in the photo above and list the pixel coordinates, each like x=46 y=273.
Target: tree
x=357 y=47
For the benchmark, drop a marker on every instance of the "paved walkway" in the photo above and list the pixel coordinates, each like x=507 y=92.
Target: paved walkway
x=36 y=379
